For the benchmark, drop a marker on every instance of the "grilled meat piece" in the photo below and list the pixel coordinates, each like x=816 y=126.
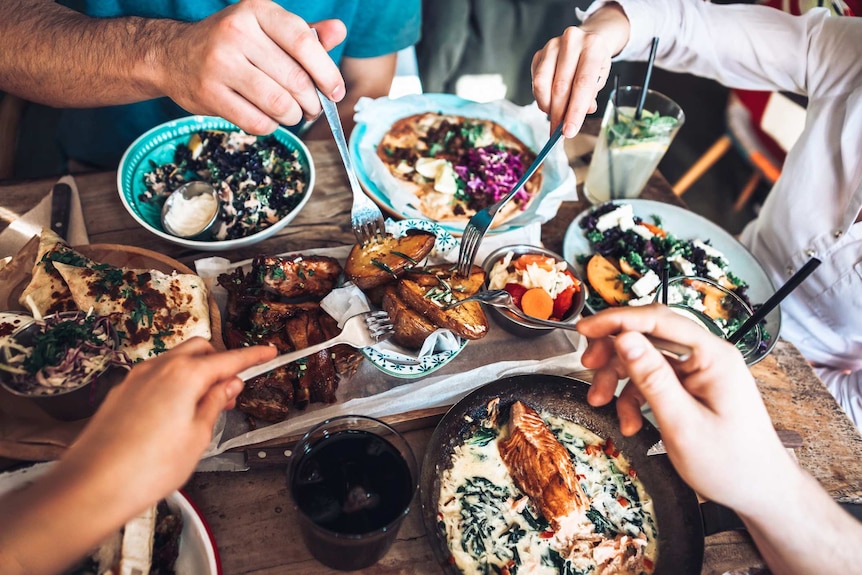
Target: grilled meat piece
x=256 y=315
x=297 y=276
x=270 y=395
x=541 y=467
x=319 y=380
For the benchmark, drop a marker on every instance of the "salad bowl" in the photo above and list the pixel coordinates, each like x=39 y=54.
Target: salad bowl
x=511 y=322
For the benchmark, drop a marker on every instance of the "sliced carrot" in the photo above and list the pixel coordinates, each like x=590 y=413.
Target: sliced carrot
x=544 y=262
x=654 y=229
x=536 y=302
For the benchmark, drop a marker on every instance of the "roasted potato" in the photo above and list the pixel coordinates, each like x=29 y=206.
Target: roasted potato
x=411 y=328
x=427 y=298
x=380 y=263
x=431 y=276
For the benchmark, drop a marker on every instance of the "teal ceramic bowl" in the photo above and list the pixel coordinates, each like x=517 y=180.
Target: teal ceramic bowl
x=158 y=145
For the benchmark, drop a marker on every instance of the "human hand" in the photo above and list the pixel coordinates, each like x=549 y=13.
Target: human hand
x=253 y=63
x=713 y=422
x=147 y=436
x=571 y=69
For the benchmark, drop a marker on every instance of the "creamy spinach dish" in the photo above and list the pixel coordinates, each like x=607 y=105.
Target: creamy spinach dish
x=492 y=527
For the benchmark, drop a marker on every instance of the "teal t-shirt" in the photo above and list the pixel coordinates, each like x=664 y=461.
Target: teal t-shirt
x=99 y=136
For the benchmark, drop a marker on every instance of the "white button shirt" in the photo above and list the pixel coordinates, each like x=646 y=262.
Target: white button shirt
x=812 y=209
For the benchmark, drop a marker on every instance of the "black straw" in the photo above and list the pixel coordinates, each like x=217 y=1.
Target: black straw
x=616 y=98
x=650 y=63
x=664 y=280
x=773 y=301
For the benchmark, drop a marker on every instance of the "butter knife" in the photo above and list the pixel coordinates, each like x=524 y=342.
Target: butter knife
x=789 y=439
x=61 y=203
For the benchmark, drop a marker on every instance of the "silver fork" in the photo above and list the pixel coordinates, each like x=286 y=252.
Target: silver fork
x=360 y=330
x=366 y=219
x=479 y=223
x=503 y=299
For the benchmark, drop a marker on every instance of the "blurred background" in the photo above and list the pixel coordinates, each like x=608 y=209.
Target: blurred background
x=482 y=50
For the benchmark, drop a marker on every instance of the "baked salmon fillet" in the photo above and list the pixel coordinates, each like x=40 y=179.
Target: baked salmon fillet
x=541 y=467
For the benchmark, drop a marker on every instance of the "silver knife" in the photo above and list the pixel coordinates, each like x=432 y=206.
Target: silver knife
x=61 y=203
x=789 y=439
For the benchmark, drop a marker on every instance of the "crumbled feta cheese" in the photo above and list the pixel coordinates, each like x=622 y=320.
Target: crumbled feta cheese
x=645 y=300
x=714 y=271
x=646 y=284
x=708 y=249
x=682 y=265
x=643 y=231
x=622 y=217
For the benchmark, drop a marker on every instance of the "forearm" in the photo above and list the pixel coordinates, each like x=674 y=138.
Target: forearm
x=611 y=22
x=801 y=530
x=58 y=520
x=740 y=46
x=56 y=56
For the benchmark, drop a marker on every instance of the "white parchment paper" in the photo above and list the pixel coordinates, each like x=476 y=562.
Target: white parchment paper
x=374 y=393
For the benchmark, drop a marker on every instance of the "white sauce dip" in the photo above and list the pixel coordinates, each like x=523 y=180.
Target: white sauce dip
x=189 y=216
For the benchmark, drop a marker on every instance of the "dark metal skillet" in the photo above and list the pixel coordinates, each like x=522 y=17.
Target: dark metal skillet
x=678 y=515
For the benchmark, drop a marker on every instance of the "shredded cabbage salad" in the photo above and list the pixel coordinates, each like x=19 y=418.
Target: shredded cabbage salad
x=67 y=351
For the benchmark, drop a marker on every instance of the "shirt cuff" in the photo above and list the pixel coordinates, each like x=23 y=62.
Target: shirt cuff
x=643 y=18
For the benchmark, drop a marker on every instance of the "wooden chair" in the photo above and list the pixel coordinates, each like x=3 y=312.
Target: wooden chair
x=746 y=132
x=762 y=126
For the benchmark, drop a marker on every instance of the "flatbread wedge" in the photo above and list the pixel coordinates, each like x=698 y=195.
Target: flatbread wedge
x=47 y=290
x=151 y=310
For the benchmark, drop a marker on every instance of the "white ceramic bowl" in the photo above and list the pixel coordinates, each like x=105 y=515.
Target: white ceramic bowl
x=158 y=146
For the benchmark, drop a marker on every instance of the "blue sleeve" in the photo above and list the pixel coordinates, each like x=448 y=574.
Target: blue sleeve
x=382 y=27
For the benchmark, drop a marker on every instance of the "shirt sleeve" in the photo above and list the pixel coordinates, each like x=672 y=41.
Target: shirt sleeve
x=747 y=46
x=382 y=27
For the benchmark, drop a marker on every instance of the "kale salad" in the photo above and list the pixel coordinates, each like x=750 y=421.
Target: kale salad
x=258 y=179
x=629 y=254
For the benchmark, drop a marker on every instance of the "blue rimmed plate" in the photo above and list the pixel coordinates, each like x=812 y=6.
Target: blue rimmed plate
x=158 y=146
x=387 y=361
x=554 y=170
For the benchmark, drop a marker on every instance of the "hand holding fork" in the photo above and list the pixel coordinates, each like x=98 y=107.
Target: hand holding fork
x=479 y=223
x=360 y=330
x=366 y=219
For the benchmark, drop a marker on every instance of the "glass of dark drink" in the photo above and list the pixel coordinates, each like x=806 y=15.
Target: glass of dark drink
x=352 y=479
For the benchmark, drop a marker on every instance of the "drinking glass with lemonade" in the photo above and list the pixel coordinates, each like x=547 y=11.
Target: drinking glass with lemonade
x=629 y=148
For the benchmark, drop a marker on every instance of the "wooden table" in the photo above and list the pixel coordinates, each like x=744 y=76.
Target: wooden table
x=250 y=513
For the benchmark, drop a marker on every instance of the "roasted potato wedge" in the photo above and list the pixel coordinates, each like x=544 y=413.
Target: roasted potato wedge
x=467 y=320
x=379 y=263
x=430 y=276
x=411 y=328
x=604 y=279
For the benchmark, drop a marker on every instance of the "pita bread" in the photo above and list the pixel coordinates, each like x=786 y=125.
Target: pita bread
x=425 y=152
x=47 y=290
x=151 y=310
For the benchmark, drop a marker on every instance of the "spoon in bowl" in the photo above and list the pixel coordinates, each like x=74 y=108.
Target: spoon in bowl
x=191 y=211
x=502 y=299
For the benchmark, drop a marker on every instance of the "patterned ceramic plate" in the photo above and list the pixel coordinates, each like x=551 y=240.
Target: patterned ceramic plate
x=385 y=360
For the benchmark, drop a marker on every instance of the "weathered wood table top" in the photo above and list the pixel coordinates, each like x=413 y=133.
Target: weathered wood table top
x=250 y=513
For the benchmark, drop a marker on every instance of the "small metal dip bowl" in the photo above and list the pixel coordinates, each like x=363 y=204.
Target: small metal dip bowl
x=188 y=191
x=516 y=325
